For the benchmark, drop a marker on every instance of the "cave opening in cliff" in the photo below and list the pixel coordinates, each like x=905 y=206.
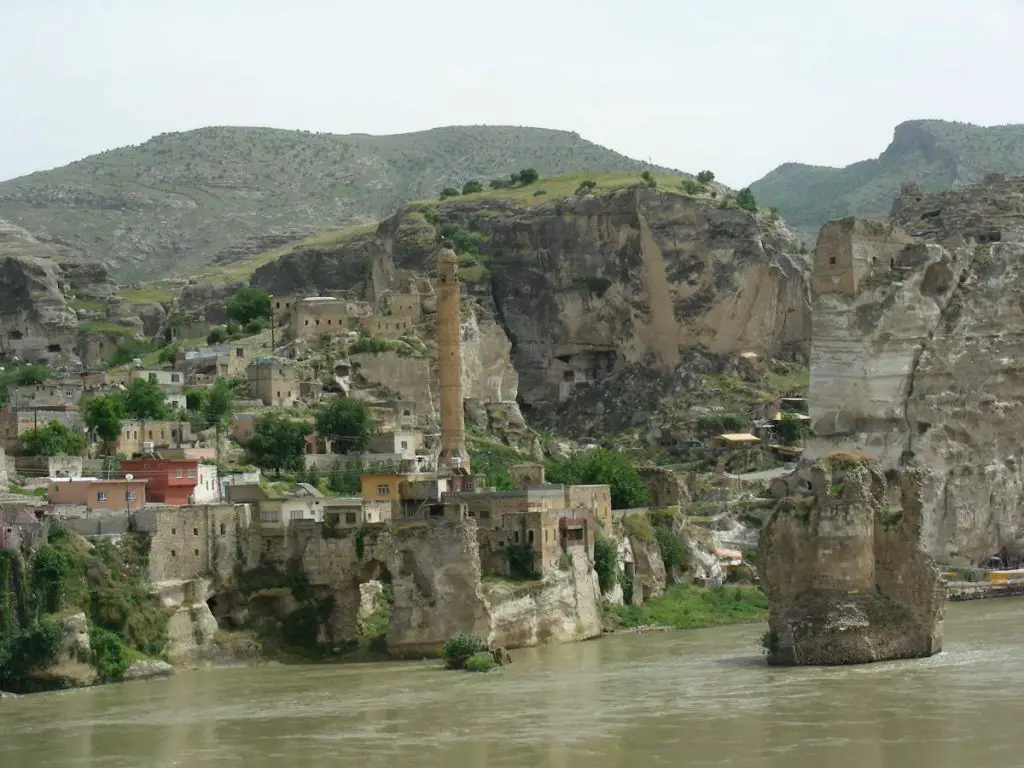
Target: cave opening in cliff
x=376 y=600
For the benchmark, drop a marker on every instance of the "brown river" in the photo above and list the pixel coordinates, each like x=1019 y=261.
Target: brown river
x=696 y=698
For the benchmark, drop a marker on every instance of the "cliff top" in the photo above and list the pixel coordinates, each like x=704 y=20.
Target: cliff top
x=180 y=199
x=990 y=211
x=933 y=153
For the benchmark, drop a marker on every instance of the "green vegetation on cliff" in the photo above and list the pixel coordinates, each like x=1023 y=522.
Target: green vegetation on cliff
x=108 y=583
x=186 y=198
x=684 y=606
x=934 y=153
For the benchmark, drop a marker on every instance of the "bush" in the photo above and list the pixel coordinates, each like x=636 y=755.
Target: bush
x=480 y=662
x=601 y=467
x=675 y=551
x=457 y=651
x=691 y=187
x=449 y=192
x=745 y=200
x=585 y=186
x=127 y=351
x=606 y=557
x=705 y=177
x=109 y=654
x=720 y=422
x=500 y=183
x=472 y=186
x=217 y=336
x=521 y=562
x=255 y=326
x=249 y=304
x=648 y=179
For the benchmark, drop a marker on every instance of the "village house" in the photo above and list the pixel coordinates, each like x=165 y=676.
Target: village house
x=315 y=316
x=64 y=394
x=404 y=443
x=15 y=422
x=220 y=361
x=243 y=427
x=274 y=381
x=170 y=481
x=96 y=494
x=20 y=528
x=207 y=490
x=406 y=305
x=139 y=436
x=385 y=326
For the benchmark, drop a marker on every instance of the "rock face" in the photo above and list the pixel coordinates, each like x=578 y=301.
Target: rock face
x=191 y=626
x=844 y=568
x=918 y=351
x=435 y=575
x=70 y=665
x=587 y=287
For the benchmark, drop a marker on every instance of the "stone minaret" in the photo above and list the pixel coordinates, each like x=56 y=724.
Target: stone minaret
x=449 y=345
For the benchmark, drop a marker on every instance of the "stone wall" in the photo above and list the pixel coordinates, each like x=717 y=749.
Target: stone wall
x=198 y=541
x=845 y=571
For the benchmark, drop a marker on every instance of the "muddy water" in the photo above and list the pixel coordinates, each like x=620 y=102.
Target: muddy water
x=699 y=698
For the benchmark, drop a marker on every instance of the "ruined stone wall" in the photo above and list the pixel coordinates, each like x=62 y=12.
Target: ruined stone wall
x=192 y=542
x=845 y=571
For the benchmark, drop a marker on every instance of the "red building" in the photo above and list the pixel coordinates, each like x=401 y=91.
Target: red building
x=171 y=481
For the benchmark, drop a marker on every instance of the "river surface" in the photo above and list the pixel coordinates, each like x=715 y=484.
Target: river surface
x=695 y=698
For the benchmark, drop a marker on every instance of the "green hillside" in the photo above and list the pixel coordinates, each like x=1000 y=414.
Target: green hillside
x=214 y=195
x=934 y=153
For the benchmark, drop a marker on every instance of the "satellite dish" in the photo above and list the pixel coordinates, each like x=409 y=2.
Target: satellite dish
x=129 y=476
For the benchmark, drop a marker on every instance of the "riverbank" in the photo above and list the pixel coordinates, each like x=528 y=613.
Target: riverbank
x=684 y=606
x=965 y=590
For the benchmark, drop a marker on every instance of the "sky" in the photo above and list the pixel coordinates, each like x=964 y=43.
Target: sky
x=736 y=87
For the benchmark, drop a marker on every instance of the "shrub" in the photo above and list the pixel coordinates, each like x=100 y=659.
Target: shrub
x=601 y=467
x=458 y=650
x=745 y=200
x=585 y=186
x=705 y=177
x=255 y=326
x=449 y=192
x=217 y=336
x=691 y=187
x=606 y=557
x=720 y=422
x=539 y=192
x=525 y=176
x=675 y=551
x=521 y=562
x=472 y=186
x=249 y=304
x=500 y=183
x=480 y=662
x=770 y=642
x=109 y=655
x=648 y=179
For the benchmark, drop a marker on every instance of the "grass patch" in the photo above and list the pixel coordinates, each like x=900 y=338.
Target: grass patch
x=105 y=326
x=156 y=293
x=684 y=606
x=88 y=305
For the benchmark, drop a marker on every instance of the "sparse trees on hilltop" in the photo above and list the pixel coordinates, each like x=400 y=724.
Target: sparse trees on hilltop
x=745 y=200
x=705 y=177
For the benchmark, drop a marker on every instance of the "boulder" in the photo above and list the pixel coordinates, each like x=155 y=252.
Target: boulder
x=145 y=669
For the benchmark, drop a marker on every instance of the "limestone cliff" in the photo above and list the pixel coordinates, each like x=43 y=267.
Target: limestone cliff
x=844 y=568
x=435 y=574
x=917 y=352
x=588 y=287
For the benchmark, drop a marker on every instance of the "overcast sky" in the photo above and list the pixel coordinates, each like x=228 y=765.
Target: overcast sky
x=738 y=87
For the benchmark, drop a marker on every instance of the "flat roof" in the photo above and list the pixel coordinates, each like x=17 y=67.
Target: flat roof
x=739 y=437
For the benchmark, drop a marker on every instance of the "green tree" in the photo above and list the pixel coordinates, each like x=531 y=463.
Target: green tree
x=705 y=177
x=278 y=442
x=790 y=429
x=345 y=477
x=127 y=351
x=217 y=406
x=167 y=353
x=449 y=192
x=20 y=376
x=601 y=467
x=145 y=400
x=195 y=399
x=217 y=336
x=472 y=186
x=500 y=183
x=103 y=416
x=347 y=423
x=528 y=176
x=249 y=304
x=53 y=439
x=745 y=200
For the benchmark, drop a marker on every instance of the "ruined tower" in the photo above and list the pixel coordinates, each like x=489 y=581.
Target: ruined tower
x=449 y=342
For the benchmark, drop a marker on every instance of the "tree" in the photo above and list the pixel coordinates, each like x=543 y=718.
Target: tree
x=194 y=400
x=705 y=177
x=790 y=429
x=22 y=375
x=145 y=400
x=347 y=423
x=217 y=336
x=52 y=440
x=500 y=183
x=249 y=304
x=345 y=477
x=449 y=192
x=278 y=442
x=217 y=405
x=472 y=186
x=601 y=467
x=745 y=200
x=586 y=185
x=648 y=179
x=127 y=351
x=528 y=176
x=103 y=416
x=167 y=353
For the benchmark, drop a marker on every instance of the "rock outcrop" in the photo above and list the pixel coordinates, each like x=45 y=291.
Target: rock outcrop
x=844 y=568
x=589 y=289
x=918 y=351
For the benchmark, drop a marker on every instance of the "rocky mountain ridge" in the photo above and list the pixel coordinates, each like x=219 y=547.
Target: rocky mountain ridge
x=936 y=154
x=183 y=200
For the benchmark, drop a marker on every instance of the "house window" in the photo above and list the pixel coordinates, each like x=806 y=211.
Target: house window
x=307 y=322
x=350 y=518
x=173 y=531
x=832 y=260
x=175 y=378
x=151 y=434
x=268 y=517
x=191 y=474
x=485 y=514
x=177 y=474
x=239 y=352
x=515 y=537
x=53 y=348
x=197 y=552
x=223 y=529
x=129 y=495
x=69 y=393
x=152 y=377
x=383 y=489
x=318 y=321
x=174 y=553
x=297 y=514
x=529 y=537
x=101 y=496
x=279 y=305
x=405 y=444
x=195 y=531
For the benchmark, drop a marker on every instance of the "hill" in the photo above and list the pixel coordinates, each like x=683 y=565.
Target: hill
x=936 y=154
x=184 y=200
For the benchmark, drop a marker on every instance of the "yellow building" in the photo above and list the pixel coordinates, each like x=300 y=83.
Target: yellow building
x=382 y=487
